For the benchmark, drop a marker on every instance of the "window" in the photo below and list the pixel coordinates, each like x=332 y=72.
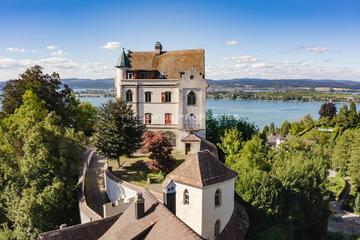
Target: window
x=144 y=75
x=129 y=96
x=217 y=198
x=166 y=97
x=167 y=118
x=129 y=76
x=186 y=197
x=217 y=229
x=148 y=96
x=191 y=98
x=147 y=118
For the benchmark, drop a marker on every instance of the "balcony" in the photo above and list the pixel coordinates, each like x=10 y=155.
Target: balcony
x=191 y=126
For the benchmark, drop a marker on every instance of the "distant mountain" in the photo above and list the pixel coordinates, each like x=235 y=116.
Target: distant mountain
x=108 y=83
x=283 y=83
x=76 y=83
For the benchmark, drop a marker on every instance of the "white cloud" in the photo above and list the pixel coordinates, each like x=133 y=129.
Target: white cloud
x=10 y=49
x=34 y=51
x=58 y=53
x=232 y=42
x=66 y=67
x=280 y=70
x=242 y=59
x=111 y=45
x=315 y=49
x=52 y=47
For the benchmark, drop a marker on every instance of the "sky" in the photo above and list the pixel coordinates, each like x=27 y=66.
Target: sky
x=318 y=39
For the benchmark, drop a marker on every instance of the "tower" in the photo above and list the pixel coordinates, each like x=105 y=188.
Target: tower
x=201 y=193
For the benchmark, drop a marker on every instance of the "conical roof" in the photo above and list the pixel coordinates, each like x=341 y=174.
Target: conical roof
x=123 y=60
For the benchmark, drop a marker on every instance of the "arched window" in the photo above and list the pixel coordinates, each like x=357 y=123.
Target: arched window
x=148 y=96
x=147 y=118
x=128 y=96
x=217 y=229
x=217 y=198
x=191 y=98
x=186 y=197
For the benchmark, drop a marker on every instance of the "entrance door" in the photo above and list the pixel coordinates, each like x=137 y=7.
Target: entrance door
x=187 y=148
x=171 y=202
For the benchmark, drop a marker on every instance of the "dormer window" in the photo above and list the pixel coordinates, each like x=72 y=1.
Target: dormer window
x=191 y=98
x=186 y=197
x=128 y=96
x=217 y=198
x=130 y=75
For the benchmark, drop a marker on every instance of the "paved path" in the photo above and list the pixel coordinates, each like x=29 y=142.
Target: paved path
x=95 y=192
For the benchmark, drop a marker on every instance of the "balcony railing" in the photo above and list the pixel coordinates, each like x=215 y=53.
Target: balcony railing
x=191 y=126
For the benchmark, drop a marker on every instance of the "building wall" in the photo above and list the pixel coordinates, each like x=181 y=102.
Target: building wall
x=223 y=212
x=190 y=214
x=191 y=80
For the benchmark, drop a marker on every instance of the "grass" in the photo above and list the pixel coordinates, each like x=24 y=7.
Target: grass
x=134 y=169
x=336 y=185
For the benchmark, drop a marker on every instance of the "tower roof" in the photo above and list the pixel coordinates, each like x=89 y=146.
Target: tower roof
x=201 y=169
x=123 y=60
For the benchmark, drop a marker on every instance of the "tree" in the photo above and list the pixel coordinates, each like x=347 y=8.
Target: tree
x=231 y=142
x=357 y=203
x=354 y=167
x=160 y=152
x=47 y=87
x=285 y=128
x=328 y=110
x=117 y=131
x=272 y=128
x=85 y=118
x=39 y=167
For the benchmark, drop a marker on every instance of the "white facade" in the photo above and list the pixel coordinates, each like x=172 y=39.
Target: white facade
x=176 y=117
x=201 y=213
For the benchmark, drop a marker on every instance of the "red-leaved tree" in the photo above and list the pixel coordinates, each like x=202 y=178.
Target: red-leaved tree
x=160 y=150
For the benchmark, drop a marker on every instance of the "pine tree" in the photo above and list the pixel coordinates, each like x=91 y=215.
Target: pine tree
x=117 y=131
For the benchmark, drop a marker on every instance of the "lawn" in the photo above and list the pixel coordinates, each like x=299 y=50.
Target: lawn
x=134 y=169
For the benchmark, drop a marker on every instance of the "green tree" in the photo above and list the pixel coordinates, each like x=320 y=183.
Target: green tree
x=43 y=163
x=272 y=128
x=327 y=110
x=354 y=167
x=231 y=142
x=357 y=203
x=285 y=128
x=117 y=131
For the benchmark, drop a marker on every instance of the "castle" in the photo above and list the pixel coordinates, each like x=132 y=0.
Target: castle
x=166 y=89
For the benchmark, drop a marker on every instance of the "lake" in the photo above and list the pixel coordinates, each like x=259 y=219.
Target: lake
x=259 y=112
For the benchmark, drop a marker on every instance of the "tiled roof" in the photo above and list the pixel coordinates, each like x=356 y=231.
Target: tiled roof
x=87 y=231
x=171 y=63
x=204 y=144
x=201 y=169
x=158 y=223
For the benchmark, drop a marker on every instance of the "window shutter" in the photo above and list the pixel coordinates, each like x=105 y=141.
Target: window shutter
x=162 y=97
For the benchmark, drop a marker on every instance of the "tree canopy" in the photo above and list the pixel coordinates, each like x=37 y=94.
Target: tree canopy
x=117 y=131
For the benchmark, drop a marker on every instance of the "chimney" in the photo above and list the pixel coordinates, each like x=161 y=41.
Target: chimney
x=158 y=48
x=139 y=206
